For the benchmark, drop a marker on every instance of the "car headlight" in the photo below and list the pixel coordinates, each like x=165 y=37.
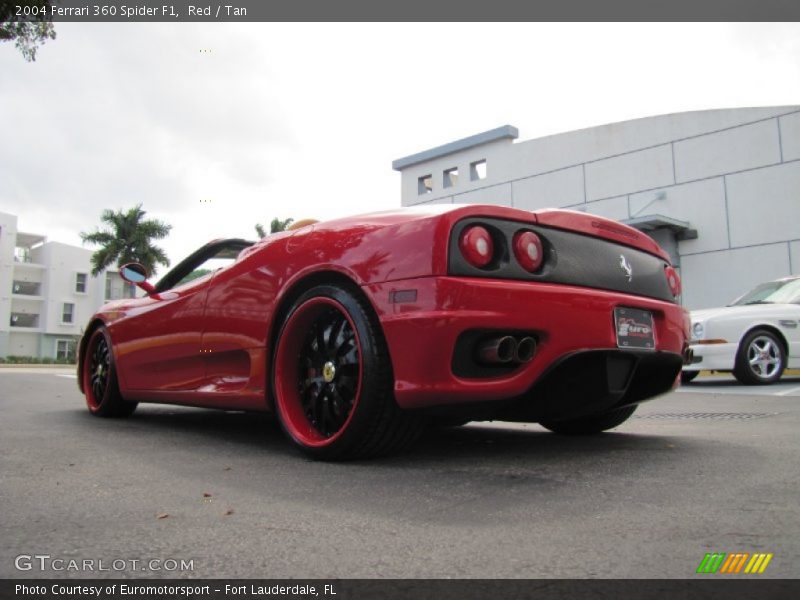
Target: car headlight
x=698 y=329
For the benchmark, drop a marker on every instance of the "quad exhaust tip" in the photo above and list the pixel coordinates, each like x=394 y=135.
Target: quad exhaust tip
x=497 y=350
x=505 y=349
x=526 y=348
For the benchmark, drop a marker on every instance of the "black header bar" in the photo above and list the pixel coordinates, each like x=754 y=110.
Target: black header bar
x=705 y=587
x=399 y=10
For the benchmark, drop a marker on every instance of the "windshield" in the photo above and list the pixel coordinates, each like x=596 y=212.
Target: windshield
x=774 y=292
x=207 y=259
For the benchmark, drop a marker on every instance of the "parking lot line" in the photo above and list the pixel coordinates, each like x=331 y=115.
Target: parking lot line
x=730 y=386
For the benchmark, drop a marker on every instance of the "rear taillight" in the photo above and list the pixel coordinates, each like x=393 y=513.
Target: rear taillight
x=476 y=246
x=674 y=280
x=528 y=250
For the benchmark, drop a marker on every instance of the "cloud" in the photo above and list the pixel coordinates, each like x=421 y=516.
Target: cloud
x=119 y=114
x=303 y=120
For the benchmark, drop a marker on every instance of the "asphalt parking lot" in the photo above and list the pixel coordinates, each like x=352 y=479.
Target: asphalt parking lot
x=711 y=468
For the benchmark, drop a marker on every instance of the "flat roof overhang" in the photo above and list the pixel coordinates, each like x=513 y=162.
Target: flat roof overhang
x=29 y=240
x=682 y=229
x=501 y=133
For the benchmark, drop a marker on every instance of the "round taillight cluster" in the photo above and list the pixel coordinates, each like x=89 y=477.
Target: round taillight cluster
x=528 y=250
x=674 y=280
x=476 y=246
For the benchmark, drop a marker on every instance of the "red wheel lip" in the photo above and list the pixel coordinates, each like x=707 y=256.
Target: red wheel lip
x=91 y=402
x=285 y=375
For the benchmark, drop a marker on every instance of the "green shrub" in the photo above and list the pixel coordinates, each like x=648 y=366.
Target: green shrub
x=20 y=360
x=33 y=360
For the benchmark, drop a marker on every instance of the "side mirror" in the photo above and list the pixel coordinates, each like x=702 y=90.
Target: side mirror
x=137 y=274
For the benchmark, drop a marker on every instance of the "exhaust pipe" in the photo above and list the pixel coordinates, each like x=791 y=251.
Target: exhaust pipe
x=688 y=356
x=526 y=348
x=497 y=350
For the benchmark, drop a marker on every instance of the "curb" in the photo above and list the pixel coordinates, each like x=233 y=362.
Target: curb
x=790 y=372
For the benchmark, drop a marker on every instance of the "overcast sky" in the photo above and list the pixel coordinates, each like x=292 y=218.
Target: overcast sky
x=303 y=120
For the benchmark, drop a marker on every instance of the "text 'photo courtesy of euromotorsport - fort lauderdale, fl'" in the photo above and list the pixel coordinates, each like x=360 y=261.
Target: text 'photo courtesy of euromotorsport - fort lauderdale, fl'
x=251 y=590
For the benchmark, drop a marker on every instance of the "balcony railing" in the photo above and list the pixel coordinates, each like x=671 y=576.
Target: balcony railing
x=24 y=320
x=27 y=288
x=127 y=290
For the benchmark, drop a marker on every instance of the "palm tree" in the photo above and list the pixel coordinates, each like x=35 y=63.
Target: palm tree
x=127 y=239
x=274 y=227
x=277 y=225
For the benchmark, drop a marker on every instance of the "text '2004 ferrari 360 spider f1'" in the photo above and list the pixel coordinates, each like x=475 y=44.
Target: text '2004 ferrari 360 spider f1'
x=358 y=332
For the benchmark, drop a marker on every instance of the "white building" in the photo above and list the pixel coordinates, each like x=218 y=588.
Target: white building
x=47 y=293
x=719 y=189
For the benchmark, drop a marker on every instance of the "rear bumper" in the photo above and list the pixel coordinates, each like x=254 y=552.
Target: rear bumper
x=713 y=357
x=422 y=329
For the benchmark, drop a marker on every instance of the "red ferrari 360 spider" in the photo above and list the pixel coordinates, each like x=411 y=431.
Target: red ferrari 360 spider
x=358 y=332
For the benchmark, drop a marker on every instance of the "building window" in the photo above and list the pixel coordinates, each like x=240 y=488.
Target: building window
x=68 y=313
x=65 y=349
x=22 y=255
x=477 y=170
x=108 y=287
x=80 y=283
x=425 y=185
x=129 y=291
x=450 y=178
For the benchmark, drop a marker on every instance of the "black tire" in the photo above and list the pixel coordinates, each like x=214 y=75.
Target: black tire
x=591 y=424
x=761 y=358
x=332 y=379
x=100 y=383
x=688 y=376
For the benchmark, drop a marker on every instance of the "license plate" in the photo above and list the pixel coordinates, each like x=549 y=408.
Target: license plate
x=634 y=328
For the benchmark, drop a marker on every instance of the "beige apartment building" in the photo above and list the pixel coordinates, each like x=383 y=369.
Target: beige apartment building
x=47 y=293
